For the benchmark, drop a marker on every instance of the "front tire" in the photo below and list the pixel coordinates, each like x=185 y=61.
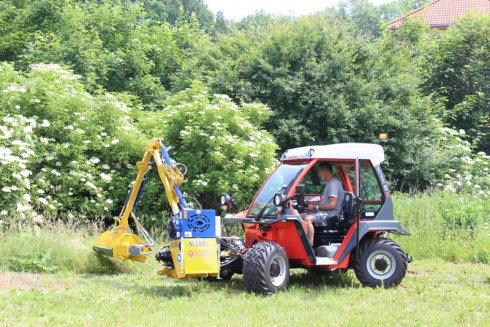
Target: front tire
x=266 y=268
x=381 y=263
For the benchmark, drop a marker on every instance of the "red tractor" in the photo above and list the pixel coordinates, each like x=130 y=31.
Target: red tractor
x=275 y=234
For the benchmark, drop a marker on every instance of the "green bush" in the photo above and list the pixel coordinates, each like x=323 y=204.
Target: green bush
x=222 y=144
x=66 y=154
x=62 y=150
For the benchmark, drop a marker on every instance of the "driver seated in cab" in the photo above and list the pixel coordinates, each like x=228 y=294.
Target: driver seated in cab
x=331 y=204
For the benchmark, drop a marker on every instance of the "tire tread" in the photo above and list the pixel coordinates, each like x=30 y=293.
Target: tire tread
x=254 y=272
x=364 y=247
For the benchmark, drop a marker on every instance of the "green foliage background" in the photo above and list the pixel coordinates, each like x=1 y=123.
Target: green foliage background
x=84 y=84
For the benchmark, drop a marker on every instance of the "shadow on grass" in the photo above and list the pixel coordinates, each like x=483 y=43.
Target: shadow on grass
x=318 y=283
x=306 y=281
x=189 y=288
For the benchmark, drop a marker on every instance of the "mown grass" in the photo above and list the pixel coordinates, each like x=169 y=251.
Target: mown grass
x=434 y=293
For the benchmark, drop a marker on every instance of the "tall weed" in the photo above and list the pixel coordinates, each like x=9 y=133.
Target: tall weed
x=454 y=227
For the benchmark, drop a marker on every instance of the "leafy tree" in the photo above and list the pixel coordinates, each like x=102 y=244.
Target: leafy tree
x=183 y=10
x=111 y=44
x=363 y=15
x=458 y=69
x=325 y=85
x=221 y=23
x=397 y=8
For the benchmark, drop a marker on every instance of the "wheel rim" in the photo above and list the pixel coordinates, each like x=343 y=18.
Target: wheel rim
x=381 y=265
x=278 y=270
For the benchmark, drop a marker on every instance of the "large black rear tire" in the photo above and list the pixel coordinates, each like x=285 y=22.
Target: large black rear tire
x=266 y=268
x=381 y=263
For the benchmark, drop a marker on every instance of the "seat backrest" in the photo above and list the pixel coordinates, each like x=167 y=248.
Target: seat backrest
x=348 y=207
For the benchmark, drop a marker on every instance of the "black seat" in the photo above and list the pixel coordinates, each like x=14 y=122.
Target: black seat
x=348 y=210
x=335 y=228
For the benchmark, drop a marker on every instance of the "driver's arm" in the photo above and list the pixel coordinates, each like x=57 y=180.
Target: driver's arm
x=332 y=202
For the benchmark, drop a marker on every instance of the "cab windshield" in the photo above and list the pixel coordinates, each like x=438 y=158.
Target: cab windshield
x=280 y=180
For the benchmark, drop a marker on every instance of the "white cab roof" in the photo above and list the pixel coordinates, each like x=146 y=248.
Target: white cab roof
x=373 y=152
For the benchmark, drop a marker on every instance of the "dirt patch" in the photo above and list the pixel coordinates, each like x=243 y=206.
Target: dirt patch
x=28 y=281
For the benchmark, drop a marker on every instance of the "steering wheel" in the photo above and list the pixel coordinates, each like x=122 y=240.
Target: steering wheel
x=299 y=196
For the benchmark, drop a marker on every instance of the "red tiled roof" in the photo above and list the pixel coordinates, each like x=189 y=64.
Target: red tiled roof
x=443 y=13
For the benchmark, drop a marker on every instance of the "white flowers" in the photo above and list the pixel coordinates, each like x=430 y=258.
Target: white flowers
x=105 y=177
x=6 y=189
x=91 y=185
x=93 y=160
x=43 y=200
x=22 y=207
x=15 y=88
x=28 y=129
x=109 y=201
x=201 y=182
x=26 y=197
x=55 y=172
x=45 y=123
x=115 y=141
x=25 y=173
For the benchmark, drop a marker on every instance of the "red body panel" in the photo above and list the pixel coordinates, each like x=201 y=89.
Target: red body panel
x=283 y=233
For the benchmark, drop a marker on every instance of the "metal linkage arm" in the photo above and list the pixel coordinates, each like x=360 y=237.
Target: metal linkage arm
x=171 y=177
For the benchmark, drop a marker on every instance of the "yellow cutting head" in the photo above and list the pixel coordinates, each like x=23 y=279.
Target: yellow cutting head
x=121 y=244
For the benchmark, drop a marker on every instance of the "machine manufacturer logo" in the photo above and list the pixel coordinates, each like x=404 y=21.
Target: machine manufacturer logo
x=179 y=257
x=198 y=223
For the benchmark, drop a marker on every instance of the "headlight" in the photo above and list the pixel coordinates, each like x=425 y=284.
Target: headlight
x=279 y=199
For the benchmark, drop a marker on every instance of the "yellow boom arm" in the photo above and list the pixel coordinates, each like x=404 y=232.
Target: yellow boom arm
x=120 y=242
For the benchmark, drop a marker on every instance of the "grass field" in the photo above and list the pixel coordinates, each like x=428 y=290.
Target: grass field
x=434 y=293
x=448 y=283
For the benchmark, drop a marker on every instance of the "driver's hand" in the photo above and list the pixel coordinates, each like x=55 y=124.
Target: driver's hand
x=311 y=207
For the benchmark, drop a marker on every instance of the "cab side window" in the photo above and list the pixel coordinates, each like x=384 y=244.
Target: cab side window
x=350 y=173
x=369 y=187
